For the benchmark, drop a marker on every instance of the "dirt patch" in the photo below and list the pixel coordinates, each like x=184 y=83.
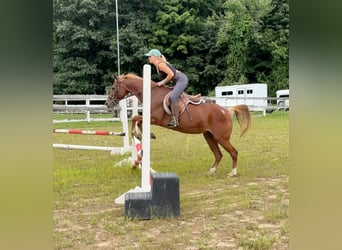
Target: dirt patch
x=251 y=214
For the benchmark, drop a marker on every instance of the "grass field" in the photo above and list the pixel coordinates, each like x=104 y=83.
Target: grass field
x=249 y=211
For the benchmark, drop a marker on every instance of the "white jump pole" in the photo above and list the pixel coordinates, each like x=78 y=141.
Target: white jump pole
x=145 y=169
x=124 y=121
x=133 y=157
x=84 y=147
x=135 y=105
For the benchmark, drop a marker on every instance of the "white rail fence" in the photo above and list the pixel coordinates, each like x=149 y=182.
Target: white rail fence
x=95 y=104
x=269 y=104
x=91 y=104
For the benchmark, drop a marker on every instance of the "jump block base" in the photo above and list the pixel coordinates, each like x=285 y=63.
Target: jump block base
x=162 y=201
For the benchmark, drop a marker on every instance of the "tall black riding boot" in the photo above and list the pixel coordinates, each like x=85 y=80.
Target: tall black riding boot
x=174 y=116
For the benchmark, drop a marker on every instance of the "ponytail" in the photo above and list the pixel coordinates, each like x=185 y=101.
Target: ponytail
x=162 y=58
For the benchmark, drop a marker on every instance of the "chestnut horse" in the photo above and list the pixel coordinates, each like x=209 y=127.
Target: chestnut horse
x=210 y=119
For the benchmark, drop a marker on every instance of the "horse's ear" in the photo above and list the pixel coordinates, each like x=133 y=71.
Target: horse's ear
x=115 y=77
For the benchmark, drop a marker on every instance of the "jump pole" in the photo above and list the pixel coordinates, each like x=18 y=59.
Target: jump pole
x=85 y=147
x=113 y=150
x=87 y=132
x=145 y=168
x=124 y=121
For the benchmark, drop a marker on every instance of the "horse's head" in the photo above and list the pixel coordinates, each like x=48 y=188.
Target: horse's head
x=116 y=93
x=124 y=85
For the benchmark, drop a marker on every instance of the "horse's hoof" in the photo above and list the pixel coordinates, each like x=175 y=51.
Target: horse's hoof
x=138 y=136
x=153 y=136
x=212 y=171
x=231 y=175
x=135 y=165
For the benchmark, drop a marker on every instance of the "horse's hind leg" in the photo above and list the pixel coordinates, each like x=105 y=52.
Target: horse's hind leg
x=233 y=154
x=215 y=149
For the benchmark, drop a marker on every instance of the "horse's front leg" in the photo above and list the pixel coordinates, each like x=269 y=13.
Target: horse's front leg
x=136 y=122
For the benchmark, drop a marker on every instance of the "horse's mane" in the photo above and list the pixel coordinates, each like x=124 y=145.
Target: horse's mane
x=130 y=75
x=133 y=76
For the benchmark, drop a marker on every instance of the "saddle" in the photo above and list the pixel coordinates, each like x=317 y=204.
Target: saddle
x=183 y=101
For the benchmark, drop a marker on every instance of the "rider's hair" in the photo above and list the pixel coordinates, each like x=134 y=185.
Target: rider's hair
x=162 y=58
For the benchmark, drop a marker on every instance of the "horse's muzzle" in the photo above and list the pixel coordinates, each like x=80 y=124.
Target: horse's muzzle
x=111 y=102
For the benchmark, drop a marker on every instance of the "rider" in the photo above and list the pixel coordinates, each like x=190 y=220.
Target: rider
x=168 y=73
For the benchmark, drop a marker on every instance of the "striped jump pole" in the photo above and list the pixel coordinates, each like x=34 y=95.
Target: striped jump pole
x=87 y=132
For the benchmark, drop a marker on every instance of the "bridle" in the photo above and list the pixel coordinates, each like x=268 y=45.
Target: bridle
x=118 y=81
x=117 y=89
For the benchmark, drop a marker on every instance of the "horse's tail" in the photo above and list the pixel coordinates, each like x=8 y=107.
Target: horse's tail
x=243 y=116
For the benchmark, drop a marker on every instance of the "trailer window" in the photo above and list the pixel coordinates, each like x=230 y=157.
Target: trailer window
x=240 y=92
x=249 y=91
x=224 y=93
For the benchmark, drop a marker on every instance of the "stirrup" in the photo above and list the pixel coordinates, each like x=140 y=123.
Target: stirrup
x=172 y=123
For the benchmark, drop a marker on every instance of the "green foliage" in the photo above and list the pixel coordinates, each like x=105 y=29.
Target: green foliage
x=82 y=38
x=275 y=33
x=238 y=33
x=214 y=43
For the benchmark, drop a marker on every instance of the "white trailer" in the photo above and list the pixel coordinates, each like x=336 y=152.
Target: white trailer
x=253 y=94
x=283 y=98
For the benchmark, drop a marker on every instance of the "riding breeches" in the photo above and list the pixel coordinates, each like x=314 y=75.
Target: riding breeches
x=181 y=81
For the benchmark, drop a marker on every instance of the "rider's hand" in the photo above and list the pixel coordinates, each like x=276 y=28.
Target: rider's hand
x=161 y=83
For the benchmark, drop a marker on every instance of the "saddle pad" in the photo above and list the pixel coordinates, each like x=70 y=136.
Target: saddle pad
x=182 y=102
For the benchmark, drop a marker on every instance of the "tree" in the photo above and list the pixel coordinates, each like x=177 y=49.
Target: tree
x=240 y=27
x=276 y=42
x=214 y=42
x=83 y=31
x=184 y=31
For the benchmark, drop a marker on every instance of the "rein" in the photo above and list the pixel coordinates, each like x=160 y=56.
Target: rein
x=130 y=92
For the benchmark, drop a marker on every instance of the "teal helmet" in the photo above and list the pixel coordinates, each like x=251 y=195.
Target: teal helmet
x=153 y=52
